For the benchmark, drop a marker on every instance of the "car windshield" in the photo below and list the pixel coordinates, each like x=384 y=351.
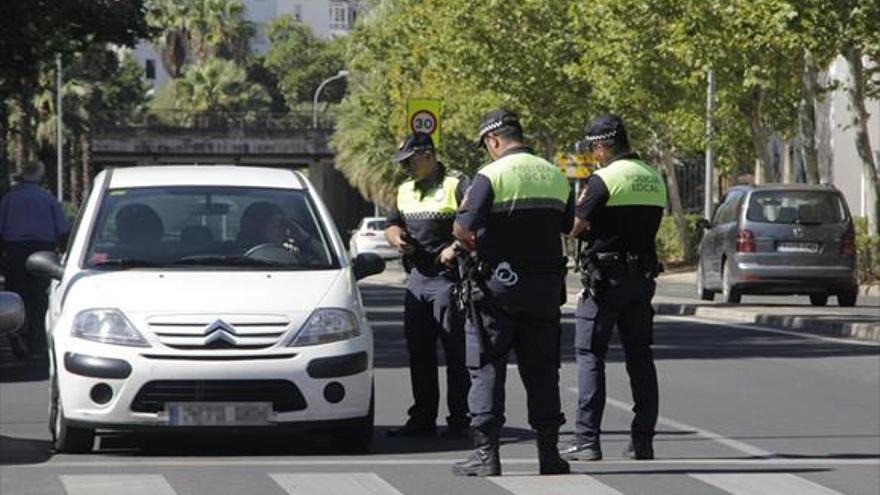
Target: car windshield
x=179 y=226
x=796 y=207
x=376 y=225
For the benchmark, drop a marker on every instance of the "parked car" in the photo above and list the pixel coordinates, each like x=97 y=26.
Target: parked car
x=779 y=239
x=369 y=237
x=207 y=297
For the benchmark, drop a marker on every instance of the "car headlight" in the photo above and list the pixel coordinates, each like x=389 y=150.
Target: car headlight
x=108 y=326
x=327 y=325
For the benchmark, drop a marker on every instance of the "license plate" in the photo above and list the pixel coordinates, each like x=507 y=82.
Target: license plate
x=798 y=247
x=218 y=413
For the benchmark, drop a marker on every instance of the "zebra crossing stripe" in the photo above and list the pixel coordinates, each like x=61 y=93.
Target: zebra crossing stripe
x=116 y=484
x=569 y=484
x=333 y=484
x=763 y=484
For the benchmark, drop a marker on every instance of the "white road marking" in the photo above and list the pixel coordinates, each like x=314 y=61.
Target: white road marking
x=386 y=461
x=763 y=484
x=333 y=484
x=759 y=328
x=572 y=484
x=116 y=484
x=737 y=445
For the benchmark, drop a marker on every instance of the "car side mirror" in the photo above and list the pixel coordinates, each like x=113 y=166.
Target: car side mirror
x=45 y=264
x=366 y=264
x=11 y=312
x=704 y=224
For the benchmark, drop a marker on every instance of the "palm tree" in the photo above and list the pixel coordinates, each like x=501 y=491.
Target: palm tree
x=217 y=86
x=173 y=19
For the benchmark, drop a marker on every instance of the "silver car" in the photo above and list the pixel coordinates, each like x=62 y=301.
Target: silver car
x=779 y=239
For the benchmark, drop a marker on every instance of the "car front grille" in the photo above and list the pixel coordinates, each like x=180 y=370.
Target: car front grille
x=210 y=332
x=284 y=395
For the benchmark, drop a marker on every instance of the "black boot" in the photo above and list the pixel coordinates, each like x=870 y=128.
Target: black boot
x=640 y=448
x=484 y=460
x=548 y=455
x=582 y=450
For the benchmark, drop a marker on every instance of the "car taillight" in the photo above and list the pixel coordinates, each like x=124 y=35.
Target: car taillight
x=745 y=241
x=848 y=244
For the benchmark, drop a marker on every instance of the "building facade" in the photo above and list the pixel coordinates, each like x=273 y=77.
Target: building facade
x=327 y=18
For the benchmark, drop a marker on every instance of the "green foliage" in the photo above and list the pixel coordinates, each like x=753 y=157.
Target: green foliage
x=669 y=248
x=300 y=60
x=217 y=85
x=867 y=252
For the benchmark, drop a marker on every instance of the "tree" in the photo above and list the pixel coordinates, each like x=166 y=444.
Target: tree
x=217 y=85
x=300 y=60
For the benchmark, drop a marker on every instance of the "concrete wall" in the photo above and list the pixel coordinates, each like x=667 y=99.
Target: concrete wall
x=837 y=149
x=345 y=203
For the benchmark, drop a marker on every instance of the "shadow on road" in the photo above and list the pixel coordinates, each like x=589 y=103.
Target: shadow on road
x=23 y=450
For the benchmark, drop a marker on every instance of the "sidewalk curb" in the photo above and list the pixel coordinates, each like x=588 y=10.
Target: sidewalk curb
x=868 y=329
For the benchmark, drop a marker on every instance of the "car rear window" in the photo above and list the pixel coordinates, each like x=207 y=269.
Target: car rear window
x=796 y=207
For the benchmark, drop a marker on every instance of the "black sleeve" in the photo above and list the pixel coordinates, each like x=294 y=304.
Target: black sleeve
x=474 y=209
x=394 y=218
x=461 y=189
x=593 y=196
x=568 y=214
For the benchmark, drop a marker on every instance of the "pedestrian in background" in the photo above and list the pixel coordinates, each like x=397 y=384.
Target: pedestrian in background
x=513 y=217
x=420 y=227
x=618 y=214
x=31 y=220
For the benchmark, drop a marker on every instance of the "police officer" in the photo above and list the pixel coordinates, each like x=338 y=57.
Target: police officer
x=618 y=213
x=420 y=227
x=513 y=216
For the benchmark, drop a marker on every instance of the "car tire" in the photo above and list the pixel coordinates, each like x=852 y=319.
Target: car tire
x=820 y=299
x=702 y=292
x=358 y=438
x=847 y=299
x=67 y=439
x=729 y=293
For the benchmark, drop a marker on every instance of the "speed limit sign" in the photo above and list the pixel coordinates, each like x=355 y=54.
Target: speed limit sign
x=423 y=121
x=423 y=115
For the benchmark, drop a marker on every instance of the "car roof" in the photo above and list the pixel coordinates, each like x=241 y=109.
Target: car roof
x=795 y=187
x=205 y=175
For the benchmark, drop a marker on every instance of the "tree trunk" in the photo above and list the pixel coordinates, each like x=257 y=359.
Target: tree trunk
x=760 y=136
x=85 y=146
x=675 y=205
x=807 y=120
x=856 y=92
x=4 y=157
x=71 y=172
x=24 y=146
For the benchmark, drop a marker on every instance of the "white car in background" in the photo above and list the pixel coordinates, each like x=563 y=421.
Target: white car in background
x=207 y=297
x=369 y=237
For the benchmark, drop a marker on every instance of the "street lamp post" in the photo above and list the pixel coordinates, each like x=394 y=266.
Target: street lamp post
x=340 y=75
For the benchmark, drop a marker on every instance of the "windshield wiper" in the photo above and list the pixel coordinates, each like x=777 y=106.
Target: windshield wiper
x=210 y=260
x=125 y=263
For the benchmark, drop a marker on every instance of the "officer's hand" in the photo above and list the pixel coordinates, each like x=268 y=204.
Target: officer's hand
x=399 y=242
x=447 y=256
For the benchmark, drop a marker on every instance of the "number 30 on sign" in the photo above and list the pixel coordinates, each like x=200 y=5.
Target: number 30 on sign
x=424 y=116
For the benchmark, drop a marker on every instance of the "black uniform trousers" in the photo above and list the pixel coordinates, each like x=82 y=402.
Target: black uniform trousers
x=626 y=303
x=532 y=332
x=427 y=305
x=34 y=291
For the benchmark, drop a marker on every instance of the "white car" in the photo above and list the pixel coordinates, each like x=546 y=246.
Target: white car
x=369 y=237
x=196 y=297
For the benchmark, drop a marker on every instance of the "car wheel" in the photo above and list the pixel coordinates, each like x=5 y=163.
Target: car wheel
x=706 y=295
x=67 y=439
x=729 y=293
x=847 y=299
x=819 y=299
x=358 y=438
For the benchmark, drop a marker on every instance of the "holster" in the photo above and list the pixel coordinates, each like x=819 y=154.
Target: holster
x=468 y=294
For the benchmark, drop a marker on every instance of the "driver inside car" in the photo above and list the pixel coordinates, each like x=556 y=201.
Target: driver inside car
x=264 y=223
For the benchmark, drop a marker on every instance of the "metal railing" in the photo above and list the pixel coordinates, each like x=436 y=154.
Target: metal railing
x=171 y=120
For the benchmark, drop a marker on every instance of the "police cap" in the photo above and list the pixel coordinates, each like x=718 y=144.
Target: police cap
x=417 y=141
x=494 y=120
x=605 y=127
